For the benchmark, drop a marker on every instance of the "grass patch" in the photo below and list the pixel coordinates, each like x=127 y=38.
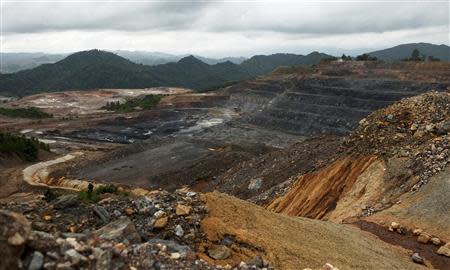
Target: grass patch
x=92 y=195
x=30 y=112
x=139 y=103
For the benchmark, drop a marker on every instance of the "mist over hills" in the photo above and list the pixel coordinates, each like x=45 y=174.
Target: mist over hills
x=14 y=62
x=125 y=69
x=100 y=69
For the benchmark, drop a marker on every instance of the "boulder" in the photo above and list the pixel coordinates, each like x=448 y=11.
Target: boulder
x=219 y=252
x=417 y=258
x=120 y=230
x=183 y=210
x=37 y=261
x=101 y=213
x=14 y=232
x=66 y=201
x=160 y=222
x=444 y=250
x=41 y=241
x=423 y=238
x=435 y=241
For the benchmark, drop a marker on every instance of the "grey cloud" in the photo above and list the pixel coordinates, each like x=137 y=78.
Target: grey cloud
x=283 y=17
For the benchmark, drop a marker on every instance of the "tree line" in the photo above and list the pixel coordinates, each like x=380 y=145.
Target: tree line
x=26 y=148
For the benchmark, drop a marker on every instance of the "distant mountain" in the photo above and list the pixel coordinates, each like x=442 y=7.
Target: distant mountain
x=148 y=58
x=13 y=62
x=100 y=69
x=213 y=61
x=404 y=51
x=260 y=64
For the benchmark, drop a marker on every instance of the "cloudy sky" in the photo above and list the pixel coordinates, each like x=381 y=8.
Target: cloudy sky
x=221 y=28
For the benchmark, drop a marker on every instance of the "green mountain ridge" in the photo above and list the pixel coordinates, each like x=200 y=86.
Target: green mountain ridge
x=404 y=51
x=100 y=69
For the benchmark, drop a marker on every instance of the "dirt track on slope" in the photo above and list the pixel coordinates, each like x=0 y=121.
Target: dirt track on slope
x=407 y=241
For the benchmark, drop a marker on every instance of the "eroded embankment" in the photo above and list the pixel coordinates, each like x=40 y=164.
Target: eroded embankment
x=316 y=194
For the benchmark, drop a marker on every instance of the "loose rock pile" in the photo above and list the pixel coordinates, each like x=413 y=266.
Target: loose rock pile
x=158 y=231
x=423 y=238
x=416 y=128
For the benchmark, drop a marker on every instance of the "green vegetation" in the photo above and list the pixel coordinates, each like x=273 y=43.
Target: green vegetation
x=30 y=112
x=146 y=102
x=92 y=196
x=346 y=58
x=50 y=195
x=365 y=57
x=99 y=69
x=26 y=149
x=415 y=56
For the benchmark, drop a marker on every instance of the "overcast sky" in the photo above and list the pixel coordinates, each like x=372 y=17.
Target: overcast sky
x=221 y=28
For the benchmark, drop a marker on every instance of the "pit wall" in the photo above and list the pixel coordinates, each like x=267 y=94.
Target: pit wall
x=341 y=190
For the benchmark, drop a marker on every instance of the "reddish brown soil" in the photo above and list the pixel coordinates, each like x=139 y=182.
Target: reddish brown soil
x=407 y=241
x=315 y=194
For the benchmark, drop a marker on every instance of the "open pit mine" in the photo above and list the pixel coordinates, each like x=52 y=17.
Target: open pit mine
x=342 y=165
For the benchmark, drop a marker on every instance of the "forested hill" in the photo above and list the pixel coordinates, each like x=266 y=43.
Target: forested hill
x=99 y=69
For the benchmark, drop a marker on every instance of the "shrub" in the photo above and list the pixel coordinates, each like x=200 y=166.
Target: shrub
x=106 y=189
x=366 y=57
x=50 y=195
x=26 y=148
x=145 y=102
x=92 y=195
x=30 y=112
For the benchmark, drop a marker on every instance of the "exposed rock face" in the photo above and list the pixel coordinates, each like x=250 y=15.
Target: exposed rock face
x=316 y=194
x=320 y=104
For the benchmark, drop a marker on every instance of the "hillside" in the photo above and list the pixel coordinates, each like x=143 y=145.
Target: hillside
x=99 y=69
x=261 y=64
x=404 y=51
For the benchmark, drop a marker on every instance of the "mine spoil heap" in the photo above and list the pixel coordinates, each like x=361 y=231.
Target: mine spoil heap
x=158 y=231
x=415 y=128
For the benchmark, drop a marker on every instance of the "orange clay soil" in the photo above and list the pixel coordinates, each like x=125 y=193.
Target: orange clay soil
x=315 y=194
x=294 y=242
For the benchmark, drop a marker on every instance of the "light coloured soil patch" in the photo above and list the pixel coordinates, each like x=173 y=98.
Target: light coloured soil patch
x=428 y=208
x=294 y=242
x=90 y=101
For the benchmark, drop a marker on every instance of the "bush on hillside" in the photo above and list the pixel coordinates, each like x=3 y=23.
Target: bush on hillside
x=146 y=102
x=26 y=149
x=30 y=112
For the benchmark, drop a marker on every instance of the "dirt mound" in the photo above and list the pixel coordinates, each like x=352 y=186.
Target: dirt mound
x=411 y=142
x=295 y=243
x=415 y=128
x=394 y=169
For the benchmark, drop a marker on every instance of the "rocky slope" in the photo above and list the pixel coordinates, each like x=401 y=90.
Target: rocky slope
x=180 y=230
x=393 y=168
